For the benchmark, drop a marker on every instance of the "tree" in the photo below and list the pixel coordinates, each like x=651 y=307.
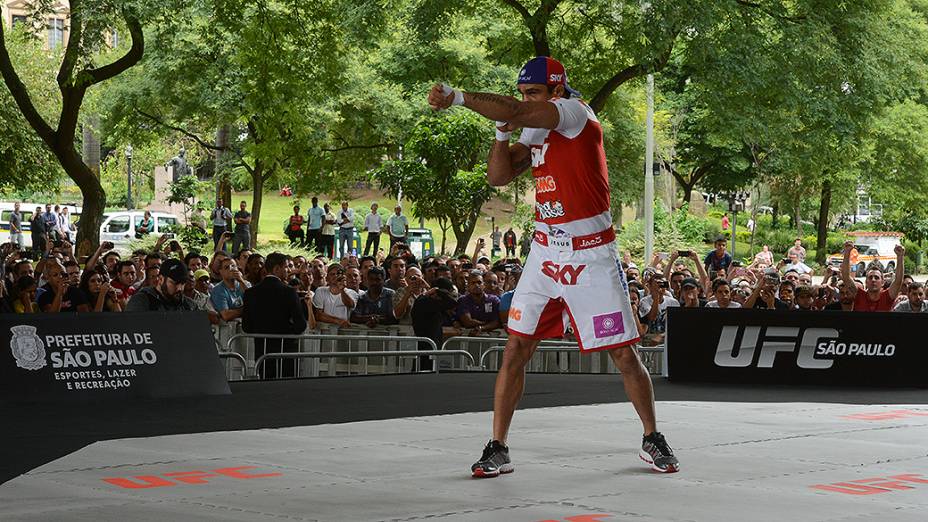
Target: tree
x=443 y=172
x=76 y=75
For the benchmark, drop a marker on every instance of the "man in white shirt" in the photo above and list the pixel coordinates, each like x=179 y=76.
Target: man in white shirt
x=333 y=303
x=373 y=224
x=796 y=264
x=653 y=307
x=722 y=291
x=345 y=230
x=916 y=300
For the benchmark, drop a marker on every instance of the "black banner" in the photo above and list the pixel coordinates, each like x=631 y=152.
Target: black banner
x=791 y=347
x=101 y=355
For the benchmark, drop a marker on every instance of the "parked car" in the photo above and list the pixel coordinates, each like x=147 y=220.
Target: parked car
x=871 y=246
x=119 y=227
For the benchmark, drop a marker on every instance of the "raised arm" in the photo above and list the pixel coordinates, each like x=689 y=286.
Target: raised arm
x=896 y=286
x=846 y=264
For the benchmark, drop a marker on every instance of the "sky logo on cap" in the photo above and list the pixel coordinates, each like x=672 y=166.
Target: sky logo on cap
x=547 y=71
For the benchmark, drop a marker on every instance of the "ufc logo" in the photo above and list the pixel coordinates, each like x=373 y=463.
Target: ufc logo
x=566 y=274
x=873 y=486
x=185 y=477
x=775 y=339
x=545 y=184
x=538 y=155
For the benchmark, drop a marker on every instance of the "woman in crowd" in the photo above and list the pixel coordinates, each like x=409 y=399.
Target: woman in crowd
x=145 y=227
x=100 y=295
x=24 y=295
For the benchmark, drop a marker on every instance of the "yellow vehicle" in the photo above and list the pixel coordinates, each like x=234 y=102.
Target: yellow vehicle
x=870 y=247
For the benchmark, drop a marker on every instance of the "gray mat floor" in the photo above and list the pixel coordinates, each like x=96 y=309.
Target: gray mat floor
x=740 y=462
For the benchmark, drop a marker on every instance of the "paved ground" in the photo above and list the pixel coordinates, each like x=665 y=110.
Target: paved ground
x=798 y=461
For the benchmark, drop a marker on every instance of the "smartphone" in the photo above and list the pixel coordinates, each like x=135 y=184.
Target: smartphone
x=786 y=260
x=736 y=264
x=684 y=253
x=663 y=284
x=663 y=256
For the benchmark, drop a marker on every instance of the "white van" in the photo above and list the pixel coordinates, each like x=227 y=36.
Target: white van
x=119 y=227
x=27 y=210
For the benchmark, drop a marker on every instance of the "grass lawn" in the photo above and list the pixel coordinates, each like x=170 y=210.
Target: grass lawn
x=276 y=209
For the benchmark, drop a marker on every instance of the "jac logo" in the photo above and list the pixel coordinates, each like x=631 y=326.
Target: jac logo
x=186 y=477
x=874 y=486
x=555 y=78
x=545 y=184
x=566 y=274
x=587 y=243
x=775 y=339
x=538 y=155
x=886 y=415
x=515 y=314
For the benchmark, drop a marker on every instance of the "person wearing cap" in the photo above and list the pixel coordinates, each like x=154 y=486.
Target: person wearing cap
x=764 y=295
x=398 y=226
x=168 y=296
x=572 y=274
x=689 y=294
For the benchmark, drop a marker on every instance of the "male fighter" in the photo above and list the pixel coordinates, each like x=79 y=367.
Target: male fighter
x=573 y=272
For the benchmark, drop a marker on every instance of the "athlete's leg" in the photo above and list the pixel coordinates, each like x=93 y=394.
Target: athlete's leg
x=637 y=385
x=510 y=382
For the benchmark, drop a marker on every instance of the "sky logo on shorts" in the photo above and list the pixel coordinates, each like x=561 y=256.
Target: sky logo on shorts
x=608 y=325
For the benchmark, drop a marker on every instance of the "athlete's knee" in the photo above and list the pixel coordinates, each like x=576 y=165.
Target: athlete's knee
x=625 y=358
x=518 y=352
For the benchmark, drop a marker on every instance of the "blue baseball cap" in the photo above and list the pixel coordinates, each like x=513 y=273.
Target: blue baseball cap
x=545 y=70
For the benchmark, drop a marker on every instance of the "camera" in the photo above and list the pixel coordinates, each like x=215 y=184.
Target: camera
x=785 y=260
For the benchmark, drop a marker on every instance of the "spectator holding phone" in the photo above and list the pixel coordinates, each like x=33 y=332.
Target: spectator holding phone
x=333 y=303
x=653 y=307
x=764 y=295
x=227 y=297
x=59 y=294
x=678 y=276
x=405 y=297
x=397 y=271
x=98 y=291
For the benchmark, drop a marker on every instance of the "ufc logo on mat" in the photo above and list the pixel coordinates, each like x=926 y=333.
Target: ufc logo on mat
x=186 y=477
x=566 y=274
x=874 y=486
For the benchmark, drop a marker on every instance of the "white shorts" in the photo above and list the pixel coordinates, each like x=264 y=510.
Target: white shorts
x=586 y=287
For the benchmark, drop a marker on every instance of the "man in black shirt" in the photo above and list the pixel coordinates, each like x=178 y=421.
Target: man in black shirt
x=168 y=296
x=846 y=297
x=429 y=313
x=59 y=294
x=242 y=238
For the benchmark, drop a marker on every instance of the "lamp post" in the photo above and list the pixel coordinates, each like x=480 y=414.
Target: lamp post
x=129 y=205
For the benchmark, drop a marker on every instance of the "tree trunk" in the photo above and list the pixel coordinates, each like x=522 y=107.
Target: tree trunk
x=462 y=233
x=257 y=197
x=823 y=209
x=91 y=143
x=775 y=214
x=221 y=173
x=94 y=198
x=798 y=218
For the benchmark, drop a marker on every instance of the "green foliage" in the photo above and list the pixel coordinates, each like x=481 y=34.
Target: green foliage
x=185 y=191
x=441 y=173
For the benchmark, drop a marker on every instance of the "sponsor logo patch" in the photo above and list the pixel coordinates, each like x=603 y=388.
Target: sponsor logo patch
x=563 y=274
x=545 y=184
x=608 y=325
x=549 y=209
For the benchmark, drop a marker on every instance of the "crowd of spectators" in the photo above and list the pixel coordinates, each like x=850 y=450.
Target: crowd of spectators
x=436 y=297
x=685 y=280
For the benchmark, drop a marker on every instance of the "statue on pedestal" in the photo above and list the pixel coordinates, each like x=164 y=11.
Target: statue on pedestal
x=179 y=166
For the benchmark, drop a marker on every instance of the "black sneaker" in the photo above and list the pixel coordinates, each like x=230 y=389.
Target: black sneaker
x=495 y=460
x=657 y=453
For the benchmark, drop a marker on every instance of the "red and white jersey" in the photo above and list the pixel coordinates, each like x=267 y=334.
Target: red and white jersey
x=569 y=167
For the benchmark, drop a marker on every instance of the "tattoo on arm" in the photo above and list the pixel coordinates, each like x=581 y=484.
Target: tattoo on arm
x=496 y=103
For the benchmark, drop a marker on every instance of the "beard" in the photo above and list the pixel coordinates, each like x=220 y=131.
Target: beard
x=174 y=298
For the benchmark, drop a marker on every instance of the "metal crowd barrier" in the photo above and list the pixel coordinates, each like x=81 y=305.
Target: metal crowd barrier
x=651 y=357
x=316 y=339
x=397 y=353
x=566 y=359
x=236 y=357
